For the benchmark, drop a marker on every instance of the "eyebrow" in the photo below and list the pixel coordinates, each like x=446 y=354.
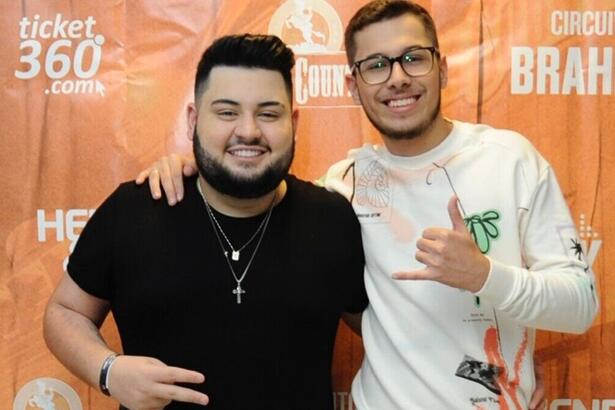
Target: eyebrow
x=235 y=103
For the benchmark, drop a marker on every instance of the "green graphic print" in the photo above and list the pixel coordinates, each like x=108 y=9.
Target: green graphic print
x=483 y=230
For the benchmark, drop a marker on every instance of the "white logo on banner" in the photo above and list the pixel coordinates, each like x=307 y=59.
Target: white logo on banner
x=314 y=31
x=67 y=225
x=576 y=404
x=46 y=394
x=590 y=244
x=561 y=70
x=324 y=37
x=75 y=47
x=342 y=400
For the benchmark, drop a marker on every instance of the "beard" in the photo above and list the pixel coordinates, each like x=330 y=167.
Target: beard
x=409 y=133
x=225 y=181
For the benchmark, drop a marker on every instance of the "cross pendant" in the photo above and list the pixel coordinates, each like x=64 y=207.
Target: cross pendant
x=238 y=291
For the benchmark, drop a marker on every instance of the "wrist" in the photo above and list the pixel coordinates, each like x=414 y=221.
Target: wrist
x=105 y=369
x=482 y=275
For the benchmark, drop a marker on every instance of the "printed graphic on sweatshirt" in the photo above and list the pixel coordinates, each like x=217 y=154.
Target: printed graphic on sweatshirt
x=482 y=226
x=372 y=196
x=483 y=229
x=582 y=247
x=479 y=372
x=373 y=187
x=578 y=251
x=509 y=383
x=495 y=374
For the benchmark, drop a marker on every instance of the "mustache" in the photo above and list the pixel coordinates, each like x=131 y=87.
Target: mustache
x=247 y=142
x=238 y=140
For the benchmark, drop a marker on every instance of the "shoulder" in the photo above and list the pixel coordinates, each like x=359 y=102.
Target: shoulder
x=508 y=145
x=124 y=194
x=340 y=169
x=128 y=191
x=311 y=193
x=133 y=202
x=317 y=198
x=508 y=140
x=340 y=176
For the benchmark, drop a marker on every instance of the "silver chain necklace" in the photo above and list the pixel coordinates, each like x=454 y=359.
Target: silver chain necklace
x=235 y=253
x=238 y=291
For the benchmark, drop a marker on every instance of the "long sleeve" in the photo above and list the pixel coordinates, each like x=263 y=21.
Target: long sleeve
x=556 y=291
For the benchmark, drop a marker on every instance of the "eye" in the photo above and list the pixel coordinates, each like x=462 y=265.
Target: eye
x=269 y=115
x=374 y=64
x=414 y=58
x=226 y=114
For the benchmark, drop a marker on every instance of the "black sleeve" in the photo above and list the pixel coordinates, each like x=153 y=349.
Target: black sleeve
x=91 y=263
x=351 y=248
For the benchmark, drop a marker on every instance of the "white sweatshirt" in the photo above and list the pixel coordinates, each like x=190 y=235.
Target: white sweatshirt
x=430 y=346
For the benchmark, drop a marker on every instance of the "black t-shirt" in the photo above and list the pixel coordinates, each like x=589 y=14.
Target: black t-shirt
x=170 y=289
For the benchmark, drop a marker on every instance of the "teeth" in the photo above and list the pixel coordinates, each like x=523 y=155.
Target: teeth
x=245 y=153
x=402 y=102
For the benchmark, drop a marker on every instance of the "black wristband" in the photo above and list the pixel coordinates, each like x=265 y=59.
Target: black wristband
x=104 y=372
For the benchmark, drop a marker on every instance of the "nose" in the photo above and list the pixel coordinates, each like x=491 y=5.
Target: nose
x=398 y=78
x=248 y=129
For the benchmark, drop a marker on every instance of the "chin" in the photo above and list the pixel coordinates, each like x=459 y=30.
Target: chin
x=401 y=132
x=405 y=129
x=403 y=135
x=248 y=173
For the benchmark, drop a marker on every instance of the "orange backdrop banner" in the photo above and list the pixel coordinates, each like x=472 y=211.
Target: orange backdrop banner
x=93 y=91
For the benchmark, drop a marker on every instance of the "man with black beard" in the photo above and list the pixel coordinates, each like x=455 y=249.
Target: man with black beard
x=233 y=297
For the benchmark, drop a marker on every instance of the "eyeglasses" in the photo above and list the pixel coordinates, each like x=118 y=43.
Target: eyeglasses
x=416 y=62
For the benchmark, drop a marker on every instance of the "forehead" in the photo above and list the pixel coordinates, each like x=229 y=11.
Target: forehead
x=391 y=37
x=247 y=86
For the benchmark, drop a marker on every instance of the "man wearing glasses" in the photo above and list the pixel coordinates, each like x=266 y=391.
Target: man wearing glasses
x=467 y=236
x=468 y=241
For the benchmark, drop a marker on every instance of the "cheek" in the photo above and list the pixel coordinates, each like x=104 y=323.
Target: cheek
x=369 y=96
x=282 y=143
x=370 y=103
x=215 y=134
x=283 y=138
x=280 y=137
x=435 y=84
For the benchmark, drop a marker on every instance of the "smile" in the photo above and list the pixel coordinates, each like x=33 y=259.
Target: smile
x=402 y=102
x=246 y=152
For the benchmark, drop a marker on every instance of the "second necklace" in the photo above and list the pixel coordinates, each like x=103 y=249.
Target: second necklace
x=238 y=291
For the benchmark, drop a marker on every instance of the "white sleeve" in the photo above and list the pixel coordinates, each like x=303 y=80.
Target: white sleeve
x=556 y=290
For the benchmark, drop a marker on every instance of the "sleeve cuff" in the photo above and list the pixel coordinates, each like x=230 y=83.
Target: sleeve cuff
x=499 y=284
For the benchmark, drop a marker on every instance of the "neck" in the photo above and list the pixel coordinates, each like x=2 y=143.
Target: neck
x=240 y=207
x=429 y=139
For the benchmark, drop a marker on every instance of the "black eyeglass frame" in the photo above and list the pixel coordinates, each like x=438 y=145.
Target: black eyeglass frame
x=392 y=60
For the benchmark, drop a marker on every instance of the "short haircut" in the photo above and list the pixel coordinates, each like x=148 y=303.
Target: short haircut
x=380 y=10
x=246 y=50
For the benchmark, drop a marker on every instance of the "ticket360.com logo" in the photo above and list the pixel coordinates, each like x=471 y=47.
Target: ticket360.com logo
x=72 y=49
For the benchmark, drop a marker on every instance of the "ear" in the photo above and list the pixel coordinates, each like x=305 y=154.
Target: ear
x=191 y=116
x=351 y=83
x=443 y=72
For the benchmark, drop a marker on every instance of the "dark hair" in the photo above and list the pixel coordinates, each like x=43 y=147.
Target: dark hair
x=246 y=50
x=379 y=10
